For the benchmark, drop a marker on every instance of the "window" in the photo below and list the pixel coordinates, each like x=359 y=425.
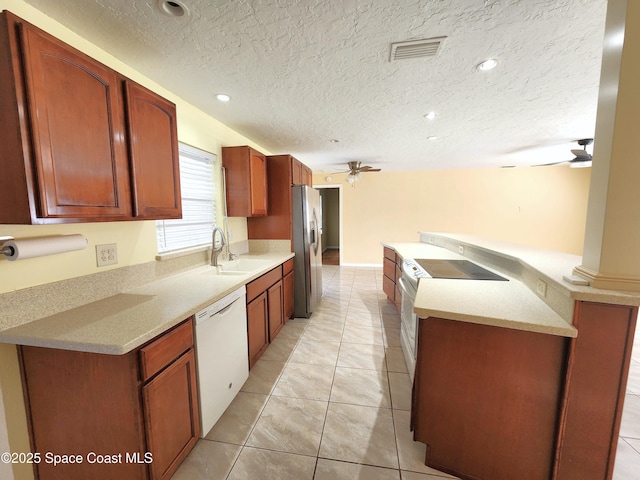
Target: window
x=198 y=207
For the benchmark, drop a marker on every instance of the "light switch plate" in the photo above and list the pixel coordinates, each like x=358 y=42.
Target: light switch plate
x=106 y=254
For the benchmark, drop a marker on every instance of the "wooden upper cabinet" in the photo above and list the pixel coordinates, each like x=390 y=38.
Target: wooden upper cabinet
x=296 y=172
x=64 y=150
x=301 y=174
x=153 y=141
x=246 y=181
x=283 y=171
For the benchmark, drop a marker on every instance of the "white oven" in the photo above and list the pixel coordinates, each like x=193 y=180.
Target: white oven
x=411 y=274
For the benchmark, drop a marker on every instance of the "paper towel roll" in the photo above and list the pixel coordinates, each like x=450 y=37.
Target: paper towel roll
x=40 y=246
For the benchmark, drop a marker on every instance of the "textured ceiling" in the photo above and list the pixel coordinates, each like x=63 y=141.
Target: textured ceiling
x=303 y=72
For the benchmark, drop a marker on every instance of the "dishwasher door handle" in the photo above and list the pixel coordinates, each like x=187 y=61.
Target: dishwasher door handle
x=225 y=309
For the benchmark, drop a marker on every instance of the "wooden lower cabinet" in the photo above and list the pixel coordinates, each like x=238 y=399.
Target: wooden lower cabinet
x=499 y=404
x=288 y=286
x=170 y=430
x=486 y=399
x=101 y=409
x=257 y=327
x=391 y=270
x=275 y=299
x=269 y=297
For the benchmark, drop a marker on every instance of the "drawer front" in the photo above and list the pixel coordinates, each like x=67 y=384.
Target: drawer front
x=389 y=288
x=287 y=267
x=389 y=269
x=262 y=283
x=161 y=352
x=390 y=254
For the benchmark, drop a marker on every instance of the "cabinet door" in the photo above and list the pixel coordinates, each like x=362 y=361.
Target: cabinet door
x=288 y=296
x=153 y=143
x=258 y=173
x=296 y=171
x=307 y=176
x=76 y=114
x=257 y=327
x=171 y=416
x=275 y=296
x=79 y=402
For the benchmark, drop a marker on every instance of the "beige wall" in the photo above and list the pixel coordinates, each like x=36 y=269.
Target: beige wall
x=543 y=207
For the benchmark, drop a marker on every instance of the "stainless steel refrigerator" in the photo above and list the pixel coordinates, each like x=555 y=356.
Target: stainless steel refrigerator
x=307 y=265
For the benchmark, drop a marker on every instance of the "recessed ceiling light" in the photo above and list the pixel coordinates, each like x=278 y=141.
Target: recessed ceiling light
x=432 y=138
x=173 y=8
x=487 y=65
x=333 y=140
x=223 y=97
x=430 y=115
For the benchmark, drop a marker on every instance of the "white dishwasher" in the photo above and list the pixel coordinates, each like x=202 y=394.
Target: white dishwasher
x=222 y=353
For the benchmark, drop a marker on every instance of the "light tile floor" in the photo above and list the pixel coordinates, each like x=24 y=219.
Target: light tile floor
x=330 y=399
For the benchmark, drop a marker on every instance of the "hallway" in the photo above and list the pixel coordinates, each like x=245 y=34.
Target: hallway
x=330 y=400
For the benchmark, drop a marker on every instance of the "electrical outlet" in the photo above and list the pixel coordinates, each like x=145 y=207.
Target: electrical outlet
x=541 y=288
x=460 y=249
x=106 y=254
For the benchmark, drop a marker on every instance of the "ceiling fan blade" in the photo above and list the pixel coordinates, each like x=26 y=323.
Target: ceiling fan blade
x=371 y=170
x=549 y=164
x=581 y=154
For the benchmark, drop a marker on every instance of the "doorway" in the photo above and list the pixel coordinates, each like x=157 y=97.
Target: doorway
x=331 y=201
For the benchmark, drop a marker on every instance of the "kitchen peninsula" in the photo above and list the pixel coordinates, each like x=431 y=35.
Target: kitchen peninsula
x=522 y=378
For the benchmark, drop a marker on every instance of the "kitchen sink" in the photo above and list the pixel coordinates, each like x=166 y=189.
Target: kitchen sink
x=244 y=264
x=231 y=272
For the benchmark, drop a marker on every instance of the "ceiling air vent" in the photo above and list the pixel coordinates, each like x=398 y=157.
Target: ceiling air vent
x=416 y=48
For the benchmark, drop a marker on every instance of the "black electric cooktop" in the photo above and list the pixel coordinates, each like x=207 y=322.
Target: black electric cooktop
x=460 y=269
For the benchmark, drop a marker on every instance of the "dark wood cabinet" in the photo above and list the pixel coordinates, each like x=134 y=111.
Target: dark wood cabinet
x=265 y=311
x=497 y=404
x=300 y=173
x=153 y=143
x=283 y=172
x=246 y=181
x=257 y=327
x=486 y=399
x=275 y=299
x=171 y=415
x=391 y=269
x=65 y=156
x=288 y=286
x=142 y=405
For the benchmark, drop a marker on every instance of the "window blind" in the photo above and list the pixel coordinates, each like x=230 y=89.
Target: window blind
x=198 y=207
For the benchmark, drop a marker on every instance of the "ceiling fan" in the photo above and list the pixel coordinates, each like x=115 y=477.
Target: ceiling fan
x=355 y=169
x=582 y=157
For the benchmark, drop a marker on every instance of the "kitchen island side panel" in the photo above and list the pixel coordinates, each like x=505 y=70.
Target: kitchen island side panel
x=486 y=399
x=595 y=388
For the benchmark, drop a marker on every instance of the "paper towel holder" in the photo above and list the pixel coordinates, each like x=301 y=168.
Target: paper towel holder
x=40 y=246
x=6 y=250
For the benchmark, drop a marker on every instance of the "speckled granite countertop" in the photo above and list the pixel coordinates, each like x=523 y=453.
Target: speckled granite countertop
x=514 y=304
x=120 y=323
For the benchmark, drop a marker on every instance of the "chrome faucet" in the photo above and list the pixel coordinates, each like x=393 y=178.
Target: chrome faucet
x=215 y=251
